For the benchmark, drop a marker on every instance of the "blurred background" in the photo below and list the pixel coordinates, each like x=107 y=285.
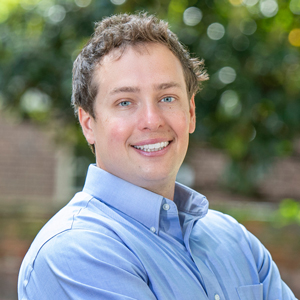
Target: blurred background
x=244 y=155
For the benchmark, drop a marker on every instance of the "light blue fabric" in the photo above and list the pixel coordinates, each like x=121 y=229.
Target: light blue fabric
x=115 y=240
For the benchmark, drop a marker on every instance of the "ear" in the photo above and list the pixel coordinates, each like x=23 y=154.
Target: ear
x=192 y=115
x=86 y=121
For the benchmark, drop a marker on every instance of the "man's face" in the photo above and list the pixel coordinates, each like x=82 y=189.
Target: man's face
x=143 y=117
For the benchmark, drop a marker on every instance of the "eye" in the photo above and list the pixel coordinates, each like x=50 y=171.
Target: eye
x=168 y=99
x=124 y=103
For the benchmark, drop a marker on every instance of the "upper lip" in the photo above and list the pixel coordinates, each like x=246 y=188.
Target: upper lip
x=151 y=141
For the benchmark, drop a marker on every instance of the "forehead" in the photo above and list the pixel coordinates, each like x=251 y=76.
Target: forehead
x=135 y=63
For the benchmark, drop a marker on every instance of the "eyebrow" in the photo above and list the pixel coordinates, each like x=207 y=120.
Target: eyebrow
x=167 y=85
x=133 y=89
x=125 y=89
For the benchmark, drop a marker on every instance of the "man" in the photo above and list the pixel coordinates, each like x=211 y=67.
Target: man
x=133 y=233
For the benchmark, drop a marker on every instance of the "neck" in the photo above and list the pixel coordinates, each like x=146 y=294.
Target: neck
x=166 y=190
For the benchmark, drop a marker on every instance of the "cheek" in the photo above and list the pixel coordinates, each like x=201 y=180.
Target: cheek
x=117 y=131
x=180 y=122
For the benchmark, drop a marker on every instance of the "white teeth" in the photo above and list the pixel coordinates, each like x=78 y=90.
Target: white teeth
x=153 y=147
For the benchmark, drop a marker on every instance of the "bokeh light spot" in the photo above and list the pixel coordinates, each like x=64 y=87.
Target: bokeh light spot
x=215 y=31
x=83 y=3
x=230 y=103
x=294 y=37
x=295 y=7
x=268 y=8
x=250 y=3
x=33 y=100
x=56 y=13
x=29 y=4
x=227 y=75
x=192 y=16
x=248 y=26
x=236 y=2
x=117 y=2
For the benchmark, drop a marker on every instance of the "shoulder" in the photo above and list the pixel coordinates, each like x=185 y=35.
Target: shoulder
x=84 y=216
x=81 y=239
x=225 y=230
x=220 y=221
x=223 y=227
x=74 y=228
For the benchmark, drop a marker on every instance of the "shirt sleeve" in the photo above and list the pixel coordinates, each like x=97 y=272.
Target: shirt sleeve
x=273 y=286
x=87 y=265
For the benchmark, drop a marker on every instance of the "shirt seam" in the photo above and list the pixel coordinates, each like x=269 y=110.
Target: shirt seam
x=81 y=209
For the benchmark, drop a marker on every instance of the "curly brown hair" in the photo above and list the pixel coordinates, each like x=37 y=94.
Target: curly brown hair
x=120 y=31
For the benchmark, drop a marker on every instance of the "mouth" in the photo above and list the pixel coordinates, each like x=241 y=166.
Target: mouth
x=152 y=147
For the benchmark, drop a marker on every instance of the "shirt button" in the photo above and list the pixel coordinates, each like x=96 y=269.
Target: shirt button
x=166 y=206
x=217 y=297
x=153 y=229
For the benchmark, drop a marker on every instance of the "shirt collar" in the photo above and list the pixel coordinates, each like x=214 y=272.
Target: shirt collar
x=136 y=202
x=139 y=203
x=190 y=201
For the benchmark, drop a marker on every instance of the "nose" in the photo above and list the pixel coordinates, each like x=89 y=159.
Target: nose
x=150 y=117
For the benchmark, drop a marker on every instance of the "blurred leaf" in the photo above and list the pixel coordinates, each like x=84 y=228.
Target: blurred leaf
x=288 y=213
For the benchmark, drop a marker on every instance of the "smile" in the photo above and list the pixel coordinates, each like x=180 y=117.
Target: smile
x=153 y=147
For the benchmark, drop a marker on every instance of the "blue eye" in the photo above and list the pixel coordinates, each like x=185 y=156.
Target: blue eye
x=124 y=103
x=167 y=99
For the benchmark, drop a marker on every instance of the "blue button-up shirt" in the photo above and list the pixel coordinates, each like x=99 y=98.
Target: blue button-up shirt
x=115 y=240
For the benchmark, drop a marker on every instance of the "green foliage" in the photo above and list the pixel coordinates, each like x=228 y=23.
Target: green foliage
x=288 y=213
x=250 y=108
x=39 y=41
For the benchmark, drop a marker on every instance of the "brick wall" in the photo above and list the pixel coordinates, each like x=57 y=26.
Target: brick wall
x=281 y=181
x=28 y=163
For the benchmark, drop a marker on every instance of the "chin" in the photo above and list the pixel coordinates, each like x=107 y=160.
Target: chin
x=155 y=176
